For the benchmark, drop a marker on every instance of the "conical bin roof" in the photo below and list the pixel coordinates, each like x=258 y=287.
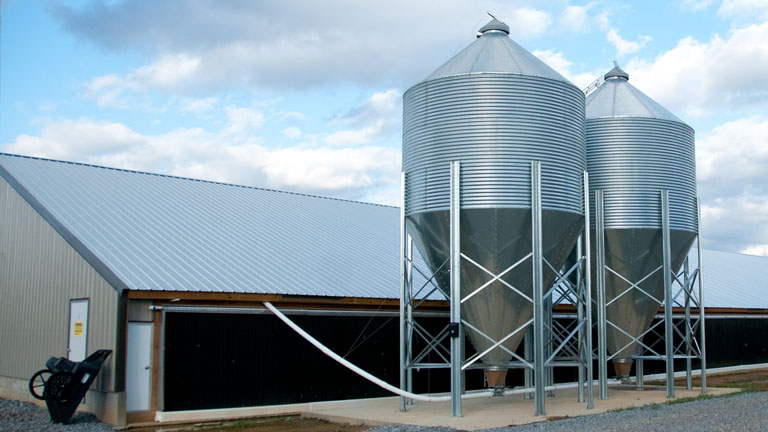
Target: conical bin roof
x=494 y=52
x=616 y=97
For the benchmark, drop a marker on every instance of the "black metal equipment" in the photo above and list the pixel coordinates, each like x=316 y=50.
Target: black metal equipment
x=65 y=382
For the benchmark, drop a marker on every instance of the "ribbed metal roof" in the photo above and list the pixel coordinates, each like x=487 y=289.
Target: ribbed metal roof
x=154 y=232
x=616 y=97
x=733 y=280
x=495 y=52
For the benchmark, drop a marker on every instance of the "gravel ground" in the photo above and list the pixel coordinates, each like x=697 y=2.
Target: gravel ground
x=742 y=412
x=25 y=416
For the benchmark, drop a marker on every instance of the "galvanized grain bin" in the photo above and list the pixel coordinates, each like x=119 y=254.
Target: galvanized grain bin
x=494 y=107
x=635 y=148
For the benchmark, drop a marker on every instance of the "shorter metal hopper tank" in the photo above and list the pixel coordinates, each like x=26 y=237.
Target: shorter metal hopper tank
x=494 y=107
x=635 y=149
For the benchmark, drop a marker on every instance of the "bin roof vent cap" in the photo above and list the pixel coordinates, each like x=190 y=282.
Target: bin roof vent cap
x=616 y=73
x=494 y=25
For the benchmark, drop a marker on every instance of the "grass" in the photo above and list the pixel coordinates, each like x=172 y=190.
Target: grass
x=694 y=398
x=270 y=424
x=240 y=424
x=655 y=406
x=248 y=423
x=622 y=409
x=745 y=385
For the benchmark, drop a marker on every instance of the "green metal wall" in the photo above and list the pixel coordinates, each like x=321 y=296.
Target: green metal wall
x=39 y=274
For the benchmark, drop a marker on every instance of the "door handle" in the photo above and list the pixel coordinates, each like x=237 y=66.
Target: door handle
x=146 y=367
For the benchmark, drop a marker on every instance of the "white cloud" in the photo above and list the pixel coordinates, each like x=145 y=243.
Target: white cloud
x=169 y=73
x=756 y=250
x=558 y=62
x=286 y=43
x=696 y=5
x=734 y=156
x=70 y=137
x=356 y=136
x=554 y=59
x=106 y=90
x=362 y=173
x=731 y=161
x=292 y=132
x=698 y=77
x=744 y=9
x=575 y=18
x=624 y=46
x=242 y=120
x=198 y=106
x=379 y=116
x=603 y=20
x=330 y=168
x=294 y=116
x=526 y=20
x=47 y=106
x=736 y=224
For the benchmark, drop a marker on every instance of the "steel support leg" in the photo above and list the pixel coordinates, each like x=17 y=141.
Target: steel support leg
x=463 y=353
x=602 y=353
x=538 y=289
x=639 y=374
x=588 y=293
x=580 y=306
x=549 y=338
x=702 y=333
x=409 y=313
x=528 y=355
x=404 y=341
x=456 y=359
x=668 y=331
x=688 y=335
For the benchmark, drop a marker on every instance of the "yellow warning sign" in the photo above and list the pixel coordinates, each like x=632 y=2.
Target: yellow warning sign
x=78 y=329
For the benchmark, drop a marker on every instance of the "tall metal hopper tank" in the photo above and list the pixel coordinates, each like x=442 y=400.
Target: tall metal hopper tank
x=494 y=107
x=635 y=148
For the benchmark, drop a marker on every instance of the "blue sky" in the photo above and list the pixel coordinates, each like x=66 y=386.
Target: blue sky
x=306 y=96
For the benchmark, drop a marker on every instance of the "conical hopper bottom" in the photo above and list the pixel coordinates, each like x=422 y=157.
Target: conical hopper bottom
x=634 y=253
x=495 y=239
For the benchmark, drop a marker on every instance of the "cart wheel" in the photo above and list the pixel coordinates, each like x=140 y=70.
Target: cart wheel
x=59 y=386
x=37 y=383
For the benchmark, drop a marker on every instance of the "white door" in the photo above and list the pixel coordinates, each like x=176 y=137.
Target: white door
x=78 y=330
x=138 y=367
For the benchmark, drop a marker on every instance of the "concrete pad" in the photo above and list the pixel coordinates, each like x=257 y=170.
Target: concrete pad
x=485 y=413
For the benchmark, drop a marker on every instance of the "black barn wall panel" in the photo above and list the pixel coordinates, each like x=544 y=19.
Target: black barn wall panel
x=219 y=360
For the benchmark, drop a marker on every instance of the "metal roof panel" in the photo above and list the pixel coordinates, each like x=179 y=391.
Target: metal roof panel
x=733 y=280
